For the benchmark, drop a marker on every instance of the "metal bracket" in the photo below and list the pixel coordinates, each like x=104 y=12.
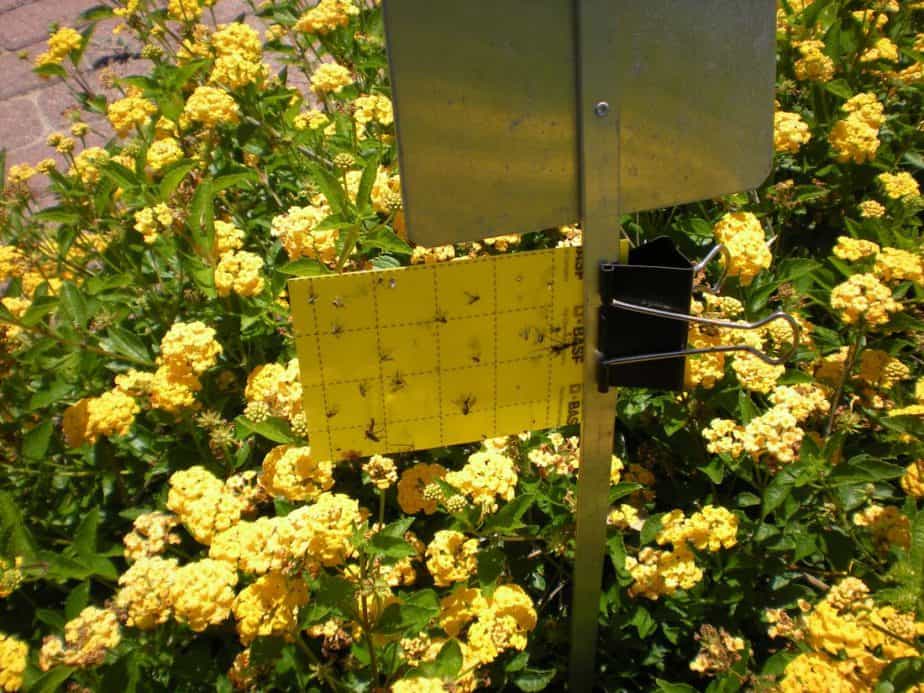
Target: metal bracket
x=643 y=317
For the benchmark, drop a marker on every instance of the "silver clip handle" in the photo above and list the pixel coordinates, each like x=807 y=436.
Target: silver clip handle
x=658 y=312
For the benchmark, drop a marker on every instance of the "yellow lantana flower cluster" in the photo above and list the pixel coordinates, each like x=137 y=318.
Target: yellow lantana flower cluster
x=559 y=455
x=856 y=137
x=870 y=209
x=228 y=237
x=386 y=192
x=863 y=298
x=239 y=272
x=151 y=534
x=776 y=434
x=162 y=153
x=211 y=107
x=86 y=165
x=502 y=622
x=854 y=249
x=10 y=576
x=203 y=503
x=659 y=573
x=451 y=557
x=202 y=593
x=326 y=16
x=295 y=474
x=269 y=607
x=330 y=78
x=743 y=238
x=899 y=185
x=187 y=11
x=852 y=640
x=13 y=655
x=296 y=231
x=274 y=389
x=813 y=65
x=887 y=524
x=896 y=265
x=110 y=414
x=411 y=487
x=311 y=119
x=144 y=596
x=239 y=55
x=913 y=479
x=487 y=477
x=151 y=222
x=882 y=49
x=186 y=352
x=87 y=640
x=374 y=108
x=61 y=44
x=711 y=529
x=129 y=113
x=790 y=132
x=381 y=472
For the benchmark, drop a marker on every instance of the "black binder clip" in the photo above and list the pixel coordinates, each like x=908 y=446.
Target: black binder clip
x=644 y=319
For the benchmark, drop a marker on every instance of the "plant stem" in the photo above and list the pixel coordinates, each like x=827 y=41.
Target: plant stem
x=839 y=392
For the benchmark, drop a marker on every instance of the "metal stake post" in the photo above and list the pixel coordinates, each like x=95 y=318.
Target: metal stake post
x=598 y=98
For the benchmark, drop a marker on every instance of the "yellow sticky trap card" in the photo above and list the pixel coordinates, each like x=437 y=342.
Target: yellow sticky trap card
x=431 y=355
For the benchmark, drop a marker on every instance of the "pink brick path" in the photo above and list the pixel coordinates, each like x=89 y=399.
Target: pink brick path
x=30 y=107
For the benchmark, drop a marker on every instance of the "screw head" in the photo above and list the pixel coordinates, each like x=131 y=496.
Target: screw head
x=601 y=108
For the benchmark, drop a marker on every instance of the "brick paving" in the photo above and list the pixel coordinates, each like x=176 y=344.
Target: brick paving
x=31 y=107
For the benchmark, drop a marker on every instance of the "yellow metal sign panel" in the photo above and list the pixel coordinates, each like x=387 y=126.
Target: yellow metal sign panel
x=432 y=355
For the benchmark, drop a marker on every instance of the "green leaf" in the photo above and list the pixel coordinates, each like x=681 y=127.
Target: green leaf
x=398 y=528
x=864 y=469
x=508 y=518
x=386 y=240
x=120 y=175
x=337 y=593
x=234 y=180
x=173 y=175
x=35 y=442
x=778 y=490
x=78 y=598
x=303 y=267
x=364 y=193
x=668 y=687
x=73 y=305
x=58 y=215
x=390 y=547
x=201 y=210
x=96 y=13
x=274 y=429
x=531 y=680
x=903 y=673
x=330 y=188
x=84 y=543
x=127 y=344
x=50 y=681
x=491 y=565
x=650 y=529
x=839 y=87
x=50 y=70
x=448 y=662
x=15 y=537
